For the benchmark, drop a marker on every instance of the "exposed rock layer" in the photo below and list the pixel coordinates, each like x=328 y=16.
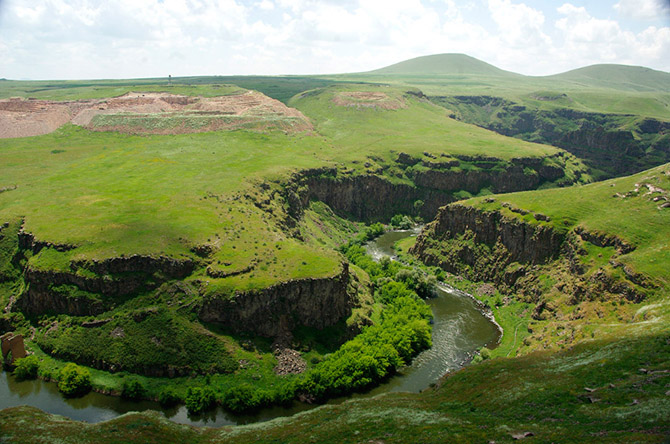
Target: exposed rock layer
x=312 y=302
x=614 y=143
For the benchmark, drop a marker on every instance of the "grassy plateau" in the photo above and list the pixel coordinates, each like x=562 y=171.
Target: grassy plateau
x=124 y=253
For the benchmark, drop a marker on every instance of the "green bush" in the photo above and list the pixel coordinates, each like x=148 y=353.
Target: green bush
x=199 y=399
x=483 y=355
x=401 y=222
x=26 y=368
x=133 y=389
x=168 y=397
x=373 y=355
x=74 y=380
x=241 y=398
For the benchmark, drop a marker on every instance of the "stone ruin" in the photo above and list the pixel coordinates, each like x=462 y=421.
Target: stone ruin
x=12 y=343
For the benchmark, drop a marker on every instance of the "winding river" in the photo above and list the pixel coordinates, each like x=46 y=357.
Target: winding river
x=460 y=327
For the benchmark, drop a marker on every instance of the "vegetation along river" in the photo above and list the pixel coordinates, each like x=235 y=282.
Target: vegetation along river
x=460 y=327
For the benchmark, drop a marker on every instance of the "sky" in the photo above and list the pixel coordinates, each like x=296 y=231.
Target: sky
x=92 y=39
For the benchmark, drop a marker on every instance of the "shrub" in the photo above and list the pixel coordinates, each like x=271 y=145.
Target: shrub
x=199 y=399
x=402 y=222
x=74 y=380
x=133 y=389
x=26 y=368
x=241 y=398
x=168 y=397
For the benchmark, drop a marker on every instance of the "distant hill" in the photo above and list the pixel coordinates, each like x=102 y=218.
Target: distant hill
x=443 y=64
x=622 y=77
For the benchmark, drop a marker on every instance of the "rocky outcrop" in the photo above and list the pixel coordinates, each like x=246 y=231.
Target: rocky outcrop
x=170 y=267
x=616 y=144
x=27 y=241
x=373 y=197
x=91 y=287
x=272 y=311
x=523 y=242
x=518 y=255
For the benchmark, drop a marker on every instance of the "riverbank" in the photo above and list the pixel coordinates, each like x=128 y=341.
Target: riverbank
x=459 y=329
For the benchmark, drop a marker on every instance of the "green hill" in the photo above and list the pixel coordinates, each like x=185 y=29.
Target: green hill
x=443 y=64
x=621 y=77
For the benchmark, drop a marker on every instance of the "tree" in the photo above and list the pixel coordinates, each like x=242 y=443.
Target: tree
x=74 y=380
x=26 y=368
x=133 y=389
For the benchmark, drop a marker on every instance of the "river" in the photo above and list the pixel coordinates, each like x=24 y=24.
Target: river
x=459 y=329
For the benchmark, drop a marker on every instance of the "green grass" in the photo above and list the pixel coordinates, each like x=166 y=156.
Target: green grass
x=418 y=127
x=278 y=87
x=635 y=219
x=594 y=392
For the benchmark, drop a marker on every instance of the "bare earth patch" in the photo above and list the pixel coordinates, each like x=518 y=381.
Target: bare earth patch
x=151 y=113
x=368 y=99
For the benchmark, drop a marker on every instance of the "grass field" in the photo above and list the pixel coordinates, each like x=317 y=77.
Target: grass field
x=218 y=199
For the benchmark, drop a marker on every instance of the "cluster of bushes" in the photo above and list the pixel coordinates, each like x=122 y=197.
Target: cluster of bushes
x=374 y=354
x=146 y=343
x=26 y=368
x=391 y=276
x=402 y=222
x=74 y=380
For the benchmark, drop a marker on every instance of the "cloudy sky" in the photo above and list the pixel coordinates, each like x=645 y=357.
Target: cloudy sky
x=80 y=39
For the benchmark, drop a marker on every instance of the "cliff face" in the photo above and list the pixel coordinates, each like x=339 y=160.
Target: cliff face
x=92 y=287
x=280 y=308
x=521 y=257
x=372 y=197
x=523 y=242
x=613 y=143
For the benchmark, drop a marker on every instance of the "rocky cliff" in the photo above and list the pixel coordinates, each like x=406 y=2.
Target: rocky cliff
x=91 y=287
x=429 y=184
x=276 y=310
x=526 y=257
x=615 y=144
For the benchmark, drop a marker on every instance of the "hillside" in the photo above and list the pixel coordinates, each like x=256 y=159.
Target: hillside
x=620 y=77
x=443 y=64
x=204 y=243
x=589 y=258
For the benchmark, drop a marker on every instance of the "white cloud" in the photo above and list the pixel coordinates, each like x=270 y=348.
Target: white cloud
x=134 y=38
x=519 y=24
x=266 y=5
x=589 y=40
x=643 y=9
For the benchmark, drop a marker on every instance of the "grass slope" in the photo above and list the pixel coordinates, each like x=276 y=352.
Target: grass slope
x=622 y=77
x=612 y=207
x=441 y=64
x=597 y=392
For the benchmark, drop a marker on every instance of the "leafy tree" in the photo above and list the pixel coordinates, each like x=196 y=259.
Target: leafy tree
x=26 y=368
x=74 y=380
x=133 y=389
x=168 y=397
x=199 y=399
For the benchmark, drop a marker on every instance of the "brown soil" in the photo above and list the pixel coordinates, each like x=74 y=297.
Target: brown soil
x=23 y=118
x=368 y=99
x=20 y=118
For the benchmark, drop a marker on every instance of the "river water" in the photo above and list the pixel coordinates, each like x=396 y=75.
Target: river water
x=459 y=329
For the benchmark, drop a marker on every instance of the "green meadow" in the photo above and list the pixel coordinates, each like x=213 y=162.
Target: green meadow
x=231 y=204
